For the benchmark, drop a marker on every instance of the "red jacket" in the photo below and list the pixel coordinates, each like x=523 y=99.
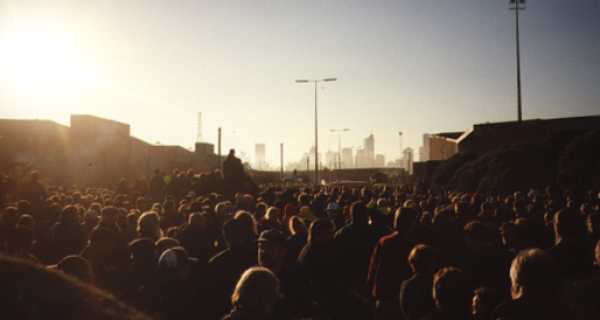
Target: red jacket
x=389 y=266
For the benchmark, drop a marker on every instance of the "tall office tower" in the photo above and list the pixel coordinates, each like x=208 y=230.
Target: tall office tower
x=260 y=156
x=199 y=128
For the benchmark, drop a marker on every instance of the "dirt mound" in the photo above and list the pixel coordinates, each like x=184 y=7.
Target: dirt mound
x=579 y=164
x=567 y=160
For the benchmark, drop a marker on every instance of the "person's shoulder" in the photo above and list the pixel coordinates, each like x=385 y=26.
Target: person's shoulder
x=388 y=238
x=217 y=258
x=72 y=297
x=510 y=309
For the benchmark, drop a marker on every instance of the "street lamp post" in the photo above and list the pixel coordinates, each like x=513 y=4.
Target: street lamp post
x=518 y=5
x=316 y=124
x=339 y=132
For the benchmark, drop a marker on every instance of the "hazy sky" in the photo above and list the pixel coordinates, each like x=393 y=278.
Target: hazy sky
x=414 y=66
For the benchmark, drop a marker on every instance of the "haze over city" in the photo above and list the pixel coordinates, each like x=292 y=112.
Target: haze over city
x=410 y=66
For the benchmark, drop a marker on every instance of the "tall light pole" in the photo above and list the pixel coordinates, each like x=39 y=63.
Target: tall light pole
x=281 y=159
x=316 y=124
x=400 y=139
x=518 y=5
x=339 y=132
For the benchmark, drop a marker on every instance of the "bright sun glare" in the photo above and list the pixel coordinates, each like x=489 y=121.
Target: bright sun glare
x=43 y=59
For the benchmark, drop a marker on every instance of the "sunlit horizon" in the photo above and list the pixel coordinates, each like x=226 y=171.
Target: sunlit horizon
x=411 y=66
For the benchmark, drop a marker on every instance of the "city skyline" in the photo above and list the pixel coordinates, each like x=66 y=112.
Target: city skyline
x=411 y=66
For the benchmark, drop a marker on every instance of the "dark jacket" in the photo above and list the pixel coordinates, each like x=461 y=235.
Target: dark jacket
x=415 y=296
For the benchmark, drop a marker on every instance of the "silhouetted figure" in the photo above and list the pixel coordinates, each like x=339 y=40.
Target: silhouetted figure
x=572 y=250
x=354 y=244
x=75 y=266
x=233 y=173
x=389 y=267
x=194 y=237
x=227 y=266
x=415 y=293
x=177 y=296
x=68 y=235
x=535 y=289
x=255 y=295
x=451 y=295
x=33 y=191
x=157 y=186
x=318 y=265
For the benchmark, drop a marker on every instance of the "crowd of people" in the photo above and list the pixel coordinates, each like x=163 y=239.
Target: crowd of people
x=305 y=252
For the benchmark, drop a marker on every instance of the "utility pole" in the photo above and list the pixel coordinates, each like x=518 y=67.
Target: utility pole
x=219 y=148
x=281 y=159
x=518 y=5
x=316 y=123
x=339 y=132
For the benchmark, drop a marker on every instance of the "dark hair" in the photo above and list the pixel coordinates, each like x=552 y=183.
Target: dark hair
x=358 y=211
x=568 y=225
x=533 y=271
x=450 y=289
x=405 y=218
x=421 y=258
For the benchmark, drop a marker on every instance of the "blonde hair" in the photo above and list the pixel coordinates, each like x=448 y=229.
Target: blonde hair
x=257 y=289
x=149 y=223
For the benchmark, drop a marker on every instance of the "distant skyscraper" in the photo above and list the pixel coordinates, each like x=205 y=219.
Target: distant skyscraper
x=347 y=158
x=260 y=156
x=365 y=157
x=331 y=160
x=407 y=160
x=199 y=128
x=379 y=161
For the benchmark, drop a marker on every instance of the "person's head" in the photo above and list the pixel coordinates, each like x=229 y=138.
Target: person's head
x=157 y=207
x=10 y=217
x=91 y=219
x=75 y=266
x=233 y=233
x=405 y=218
x=248 y=225
x=533 y=273
x=260 y=210
x=451 y=290
x=103 y=242
x=477 y=235
x=148 y=225
x=297 y=226
x=69 y=215
x=257 y=291
x=568 y=226
x=273 y=215
x=272 y=249
x=421 y=259
x=165 y=243
x=358 y=212
x=26 y=221
x=198 y=220
x=109 y=215
x=231 y=153
x=223 y=208
x=247 y=202
x=320 y=232
x=141 y=253
x=25 y=289
x=593 y=225
x=484 y=301
x=174 y=264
